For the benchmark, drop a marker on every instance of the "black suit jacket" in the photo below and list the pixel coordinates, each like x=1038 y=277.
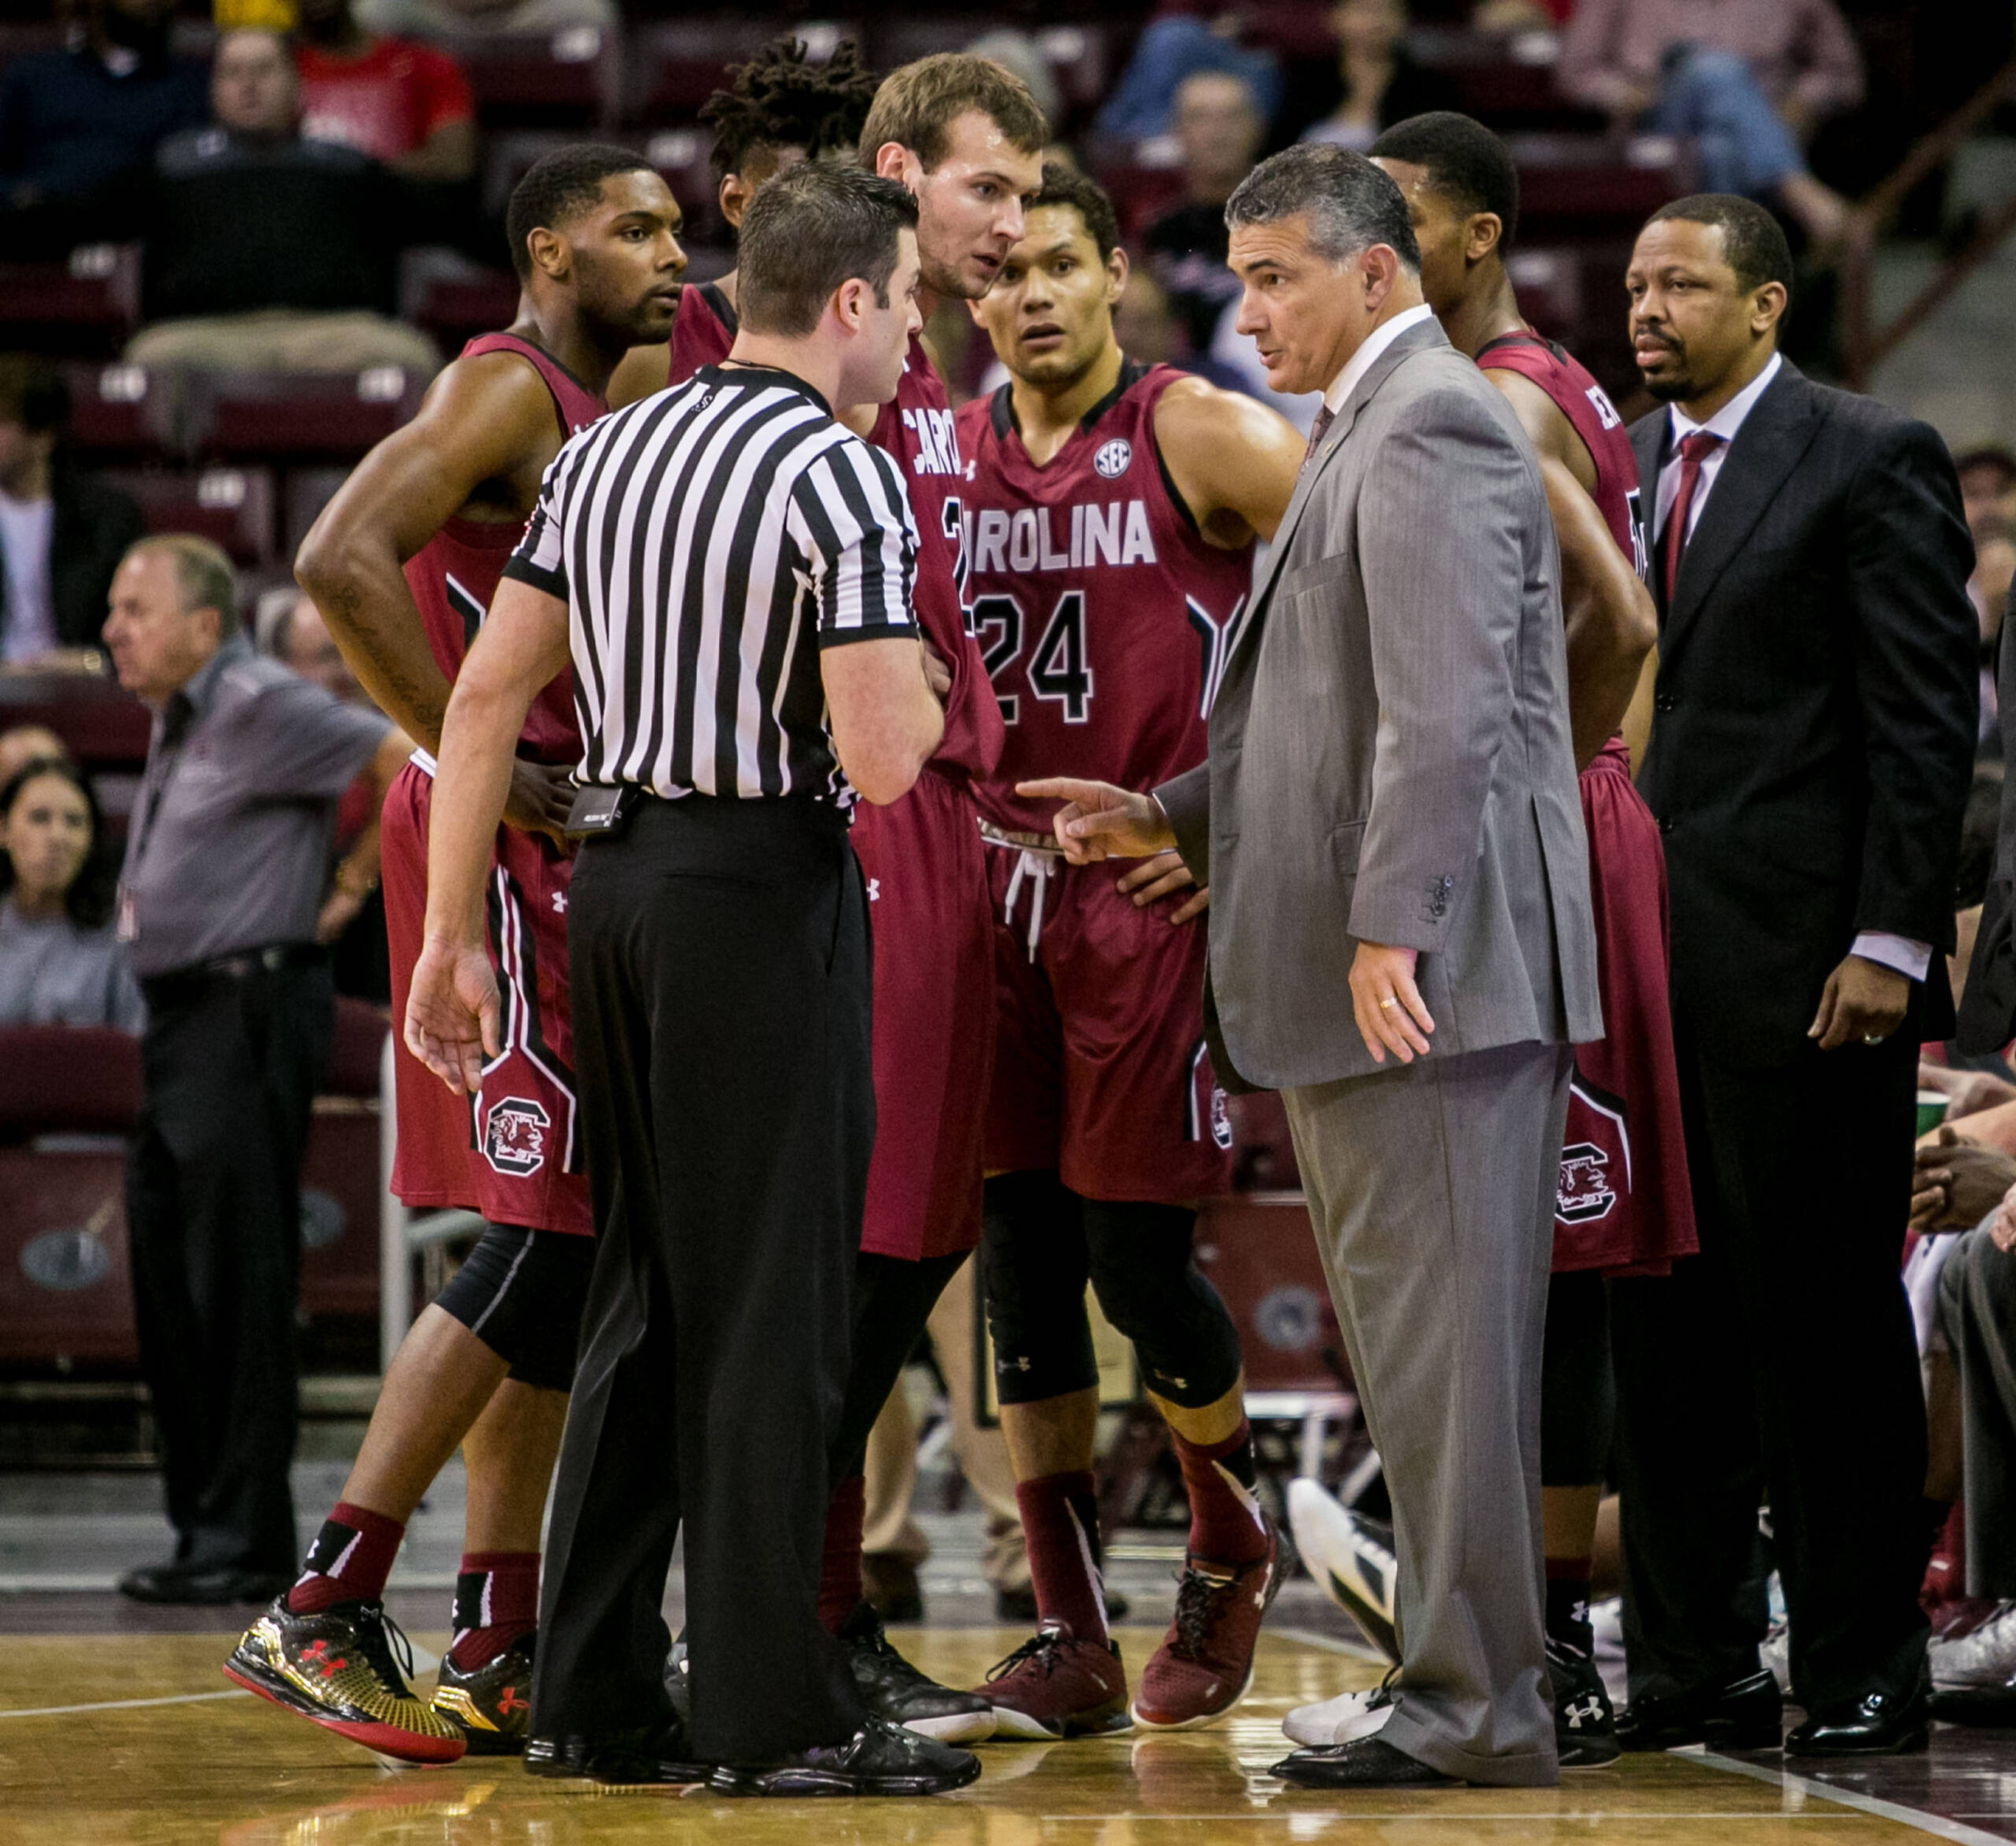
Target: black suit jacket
x=1815 y=712
x=1988 y=1006
x=89 y=530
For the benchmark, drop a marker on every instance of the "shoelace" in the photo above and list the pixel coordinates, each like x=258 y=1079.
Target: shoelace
x=1041 y=1647
x=884 y=1650
x=385 y=1646
x=1194 y=1593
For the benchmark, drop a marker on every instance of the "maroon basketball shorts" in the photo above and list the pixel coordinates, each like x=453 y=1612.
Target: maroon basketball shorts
x=514 y=1151
x=1624 y=1205
x=922 y=863
x=1100 y=1073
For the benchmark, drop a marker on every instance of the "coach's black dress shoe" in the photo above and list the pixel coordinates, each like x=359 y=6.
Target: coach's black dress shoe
x=638 y=1757
x=879 y=1758
x=1878 y=1724
x=1747 y=1714
x=1364 y=1763
x=204 y=1585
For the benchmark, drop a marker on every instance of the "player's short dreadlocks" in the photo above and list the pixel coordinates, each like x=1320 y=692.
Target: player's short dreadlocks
x=780 y=99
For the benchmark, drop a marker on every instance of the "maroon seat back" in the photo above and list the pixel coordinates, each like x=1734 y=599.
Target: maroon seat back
x=67 y=1079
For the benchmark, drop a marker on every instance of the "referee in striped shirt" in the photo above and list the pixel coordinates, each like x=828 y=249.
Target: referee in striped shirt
x=730 y=570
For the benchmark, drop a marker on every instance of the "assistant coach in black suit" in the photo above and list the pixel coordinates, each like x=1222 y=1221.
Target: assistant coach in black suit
x=1812 y=740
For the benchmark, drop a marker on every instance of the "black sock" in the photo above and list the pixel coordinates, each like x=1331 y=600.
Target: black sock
x=1567 y=1606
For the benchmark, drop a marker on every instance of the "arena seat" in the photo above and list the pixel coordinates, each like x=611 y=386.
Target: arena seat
x=1550 y=285
x=287 y=414
x=675 y=64
x=455 y=305
x=1079 y=54
x=1504 y=79
x=1263 y=1151
x=118 y=410
x=1260 y=1255
x=234 y=506
x=1581 y=186
x=570 y=79
x=104 y=728
x=71 y=1079
x=87 y=304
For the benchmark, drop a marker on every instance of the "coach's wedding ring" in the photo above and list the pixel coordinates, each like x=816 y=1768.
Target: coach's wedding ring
x=1873 y=1039
x=1387 y=1002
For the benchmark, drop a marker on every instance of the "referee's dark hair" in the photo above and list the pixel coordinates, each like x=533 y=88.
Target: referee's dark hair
x=1753 y=241
x=561 y=185
x=809 y=231
x=1466 y=163
x=782 y=99
x=1064 y=184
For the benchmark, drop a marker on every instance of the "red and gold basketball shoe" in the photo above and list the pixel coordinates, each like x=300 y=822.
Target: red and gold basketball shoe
x=489 y=1704
x=337 y=1668
x=1055 y=1685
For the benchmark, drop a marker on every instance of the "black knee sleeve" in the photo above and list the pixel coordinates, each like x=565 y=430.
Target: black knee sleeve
x=1577 y=1393
x=1150 y=1289
x=1033 y=1264
x=521 y=1292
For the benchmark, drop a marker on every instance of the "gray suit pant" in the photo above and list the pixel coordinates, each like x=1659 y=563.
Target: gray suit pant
x=1431 y=1187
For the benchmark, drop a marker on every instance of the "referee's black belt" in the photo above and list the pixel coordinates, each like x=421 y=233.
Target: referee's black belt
x=241 y=964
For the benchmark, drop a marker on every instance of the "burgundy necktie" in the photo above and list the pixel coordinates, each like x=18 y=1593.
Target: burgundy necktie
x=1694 y=449
x=1325 y=418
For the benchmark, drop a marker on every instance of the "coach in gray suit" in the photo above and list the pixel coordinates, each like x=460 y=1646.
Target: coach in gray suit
x=1401 y=938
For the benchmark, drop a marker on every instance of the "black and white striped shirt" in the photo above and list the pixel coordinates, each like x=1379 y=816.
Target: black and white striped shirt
x=709 y=541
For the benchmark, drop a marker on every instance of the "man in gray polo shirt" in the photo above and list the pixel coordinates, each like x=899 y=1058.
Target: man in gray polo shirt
x=224 y=872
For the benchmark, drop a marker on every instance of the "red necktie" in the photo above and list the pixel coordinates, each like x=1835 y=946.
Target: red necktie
x=1694 y=449
x=1325 y=418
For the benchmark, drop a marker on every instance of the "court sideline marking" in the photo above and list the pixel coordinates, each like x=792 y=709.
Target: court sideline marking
x=179 y=1698
x=1936 y=1824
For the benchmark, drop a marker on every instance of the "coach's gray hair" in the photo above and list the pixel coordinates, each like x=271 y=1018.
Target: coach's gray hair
x=1350 y=203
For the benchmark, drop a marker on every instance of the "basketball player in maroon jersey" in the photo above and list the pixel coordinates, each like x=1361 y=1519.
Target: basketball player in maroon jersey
x=1624 y=1204
x=1111 y=512
x=774 y=113
x=402 y=564
x=967 y=138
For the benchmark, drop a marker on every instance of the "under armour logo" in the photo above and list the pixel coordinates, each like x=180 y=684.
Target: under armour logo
x=559 y=904
x=874 y=891
x=1584 y=1711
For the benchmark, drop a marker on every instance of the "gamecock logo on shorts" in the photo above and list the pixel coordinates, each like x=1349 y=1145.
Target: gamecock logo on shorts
x=1583 y=1194
x=514 y=1136
x=1221 y=1119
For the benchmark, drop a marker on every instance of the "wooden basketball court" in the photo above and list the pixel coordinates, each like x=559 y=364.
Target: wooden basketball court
x=135 y=1738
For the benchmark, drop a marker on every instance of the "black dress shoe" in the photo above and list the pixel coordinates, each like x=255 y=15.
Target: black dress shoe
x=1364 y=1763
x=1747 y=1714
x=205 y=1585
x=1878 y=1724
x=644 y=1754
x=878 y=1759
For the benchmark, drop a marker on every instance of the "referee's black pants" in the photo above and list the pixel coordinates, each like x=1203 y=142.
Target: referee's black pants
x=1778 y=1365
x=719 y=957
x=230 y=1066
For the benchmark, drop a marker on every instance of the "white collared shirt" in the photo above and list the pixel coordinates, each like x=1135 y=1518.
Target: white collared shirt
x=1724 y=423
x=1376 y=342
x=1899 y=952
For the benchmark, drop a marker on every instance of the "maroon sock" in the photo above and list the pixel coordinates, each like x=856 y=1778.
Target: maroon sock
x=840 y=1564
x=496 y=1599
x=350 y=1561
x=1225 y=1525
x=1061 y=1521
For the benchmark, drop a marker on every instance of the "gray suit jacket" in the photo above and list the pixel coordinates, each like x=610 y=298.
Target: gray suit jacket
x=1389 y=754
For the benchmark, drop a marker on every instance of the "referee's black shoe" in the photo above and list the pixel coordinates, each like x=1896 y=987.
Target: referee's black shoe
x=879 y=1758
x=637 y=1757
x=892 y=1689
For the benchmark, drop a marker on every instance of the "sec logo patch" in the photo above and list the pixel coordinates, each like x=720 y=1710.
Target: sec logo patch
x=1113 y=459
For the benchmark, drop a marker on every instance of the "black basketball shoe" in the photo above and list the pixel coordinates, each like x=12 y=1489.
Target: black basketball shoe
x=891 y=1688
x=337 y=1669
x=1584 y=1725
x=879 y=1758
x=633 y=1758
x=489 y=1704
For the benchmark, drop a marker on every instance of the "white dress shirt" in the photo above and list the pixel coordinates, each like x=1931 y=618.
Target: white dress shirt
x=1899 y=952
x=26 y=529
x=1376 y=342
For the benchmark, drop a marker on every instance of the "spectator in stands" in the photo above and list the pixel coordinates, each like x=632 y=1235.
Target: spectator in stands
x=268 y=251
x=470 y=19
x=1994 y=569
x=78 y=125
x=1220 y=123
x=61 y=534
x=1378 y=83
x=406 y=104
x=1986 y=482
x=20 y=744
x=218 y=900
x=59 y=964
x=1750 y=80
x=1170 y=51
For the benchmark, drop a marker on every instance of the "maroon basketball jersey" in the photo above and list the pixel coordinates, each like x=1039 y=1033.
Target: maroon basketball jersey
x=916 y=427
x=455 y=574
x=703 y=331
x=1594 y=418
x=1102 y=612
